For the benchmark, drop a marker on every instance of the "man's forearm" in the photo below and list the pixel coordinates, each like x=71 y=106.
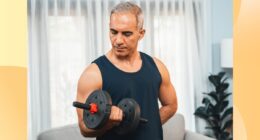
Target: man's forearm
x=86 y=132
x=166 y=112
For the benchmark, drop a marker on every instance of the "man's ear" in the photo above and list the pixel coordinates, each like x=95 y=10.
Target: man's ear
x=142 y=32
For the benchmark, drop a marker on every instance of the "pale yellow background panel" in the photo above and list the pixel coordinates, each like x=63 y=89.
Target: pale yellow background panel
x=13 y=33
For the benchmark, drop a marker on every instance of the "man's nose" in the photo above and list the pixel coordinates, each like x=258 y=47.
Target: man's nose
x=119 y=39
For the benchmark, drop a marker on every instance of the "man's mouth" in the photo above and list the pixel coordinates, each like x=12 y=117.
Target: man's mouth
x=120 y=48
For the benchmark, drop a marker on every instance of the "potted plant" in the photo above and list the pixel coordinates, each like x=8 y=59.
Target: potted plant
x=215 y=110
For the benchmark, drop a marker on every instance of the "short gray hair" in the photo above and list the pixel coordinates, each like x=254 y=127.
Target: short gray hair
x=132 y=8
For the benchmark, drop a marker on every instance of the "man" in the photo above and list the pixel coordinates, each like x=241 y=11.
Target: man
x=126 y=73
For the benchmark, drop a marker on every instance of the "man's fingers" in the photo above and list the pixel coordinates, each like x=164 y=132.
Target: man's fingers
x=120 y=115
x=116 y=114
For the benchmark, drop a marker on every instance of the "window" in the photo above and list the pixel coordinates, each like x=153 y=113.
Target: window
x=67 y=59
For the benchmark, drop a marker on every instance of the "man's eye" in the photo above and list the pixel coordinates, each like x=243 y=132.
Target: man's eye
x=113 y=32
x=128 y=34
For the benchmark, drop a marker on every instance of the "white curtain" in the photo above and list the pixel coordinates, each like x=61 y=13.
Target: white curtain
x=66 y=35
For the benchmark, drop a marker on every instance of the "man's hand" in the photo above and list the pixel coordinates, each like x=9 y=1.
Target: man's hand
x=115 y=118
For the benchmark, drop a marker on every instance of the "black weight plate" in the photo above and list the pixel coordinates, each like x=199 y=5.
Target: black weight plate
x=131 y=117
x=97 y=120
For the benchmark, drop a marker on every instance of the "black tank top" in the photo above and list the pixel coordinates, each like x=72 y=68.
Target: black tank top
x=143 y=86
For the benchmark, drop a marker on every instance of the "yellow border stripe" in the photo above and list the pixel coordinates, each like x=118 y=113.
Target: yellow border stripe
x=246 y=69
x=13 y=118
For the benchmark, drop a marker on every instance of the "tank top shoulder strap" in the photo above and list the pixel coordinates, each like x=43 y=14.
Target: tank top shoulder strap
x=149 y=61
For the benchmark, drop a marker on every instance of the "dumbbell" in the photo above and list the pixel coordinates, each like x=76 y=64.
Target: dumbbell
x=131 y=116
x=97 y=109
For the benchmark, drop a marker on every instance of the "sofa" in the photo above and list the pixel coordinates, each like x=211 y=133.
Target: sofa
x=174 y=129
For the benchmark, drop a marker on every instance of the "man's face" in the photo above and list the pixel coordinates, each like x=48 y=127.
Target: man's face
x=124 y=33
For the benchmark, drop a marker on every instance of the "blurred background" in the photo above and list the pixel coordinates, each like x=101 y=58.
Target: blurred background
x=192 y=37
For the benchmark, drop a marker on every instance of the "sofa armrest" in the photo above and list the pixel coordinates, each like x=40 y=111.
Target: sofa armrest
x=68 y=132
x=195 y=136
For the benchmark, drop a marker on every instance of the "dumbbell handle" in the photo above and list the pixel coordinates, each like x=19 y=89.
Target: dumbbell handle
x=93 y=108
x=142 y=120
x=81 y=105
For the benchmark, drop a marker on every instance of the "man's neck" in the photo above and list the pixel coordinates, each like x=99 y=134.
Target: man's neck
x=130 y=59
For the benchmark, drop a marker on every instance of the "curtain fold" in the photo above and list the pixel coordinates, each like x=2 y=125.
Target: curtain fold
x=67 y=35
x=39 y=97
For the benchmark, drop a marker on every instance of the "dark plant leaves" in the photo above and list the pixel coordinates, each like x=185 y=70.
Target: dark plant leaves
x=214 y=121
x=227 y=112
x=223 y=105
x=224 y=135
x=208 y=105
x=222 y=87
x=224 y=80
x=223 y=97
x=221 y=74
x=201 y=112
x=213 y=95
x=217 y=114
x=214 y=128
x=206 y=101
x=228 y=124
x=215 y=80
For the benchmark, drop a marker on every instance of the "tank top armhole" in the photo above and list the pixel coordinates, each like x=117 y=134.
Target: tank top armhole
x=151 y=60
x=99 y=66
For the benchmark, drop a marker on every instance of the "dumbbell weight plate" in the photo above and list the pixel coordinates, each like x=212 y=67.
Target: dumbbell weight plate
x=97 y=120
x=131 y=111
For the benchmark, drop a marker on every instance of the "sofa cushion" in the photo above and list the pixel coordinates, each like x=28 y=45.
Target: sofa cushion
x=174 y=129
x=69 y=132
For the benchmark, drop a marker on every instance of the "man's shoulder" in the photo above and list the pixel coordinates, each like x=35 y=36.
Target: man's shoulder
x=90 y=76
x=153 y=58
x=91 y=69
x=157 y=61
x=99 y=59
x=147 y=56
x=160 y=65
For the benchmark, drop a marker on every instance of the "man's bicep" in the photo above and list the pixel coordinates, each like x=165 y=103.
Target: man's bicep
x=167 y=94
x=89 y=81
x=167 y=91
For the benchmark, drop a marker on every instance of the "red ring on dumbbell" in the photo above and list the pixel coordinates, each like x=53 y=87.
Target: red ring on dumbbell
x=93 y=108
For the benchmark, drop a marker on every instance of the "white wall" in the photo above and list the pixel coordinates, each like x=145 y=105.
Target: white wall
x=222 y=27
